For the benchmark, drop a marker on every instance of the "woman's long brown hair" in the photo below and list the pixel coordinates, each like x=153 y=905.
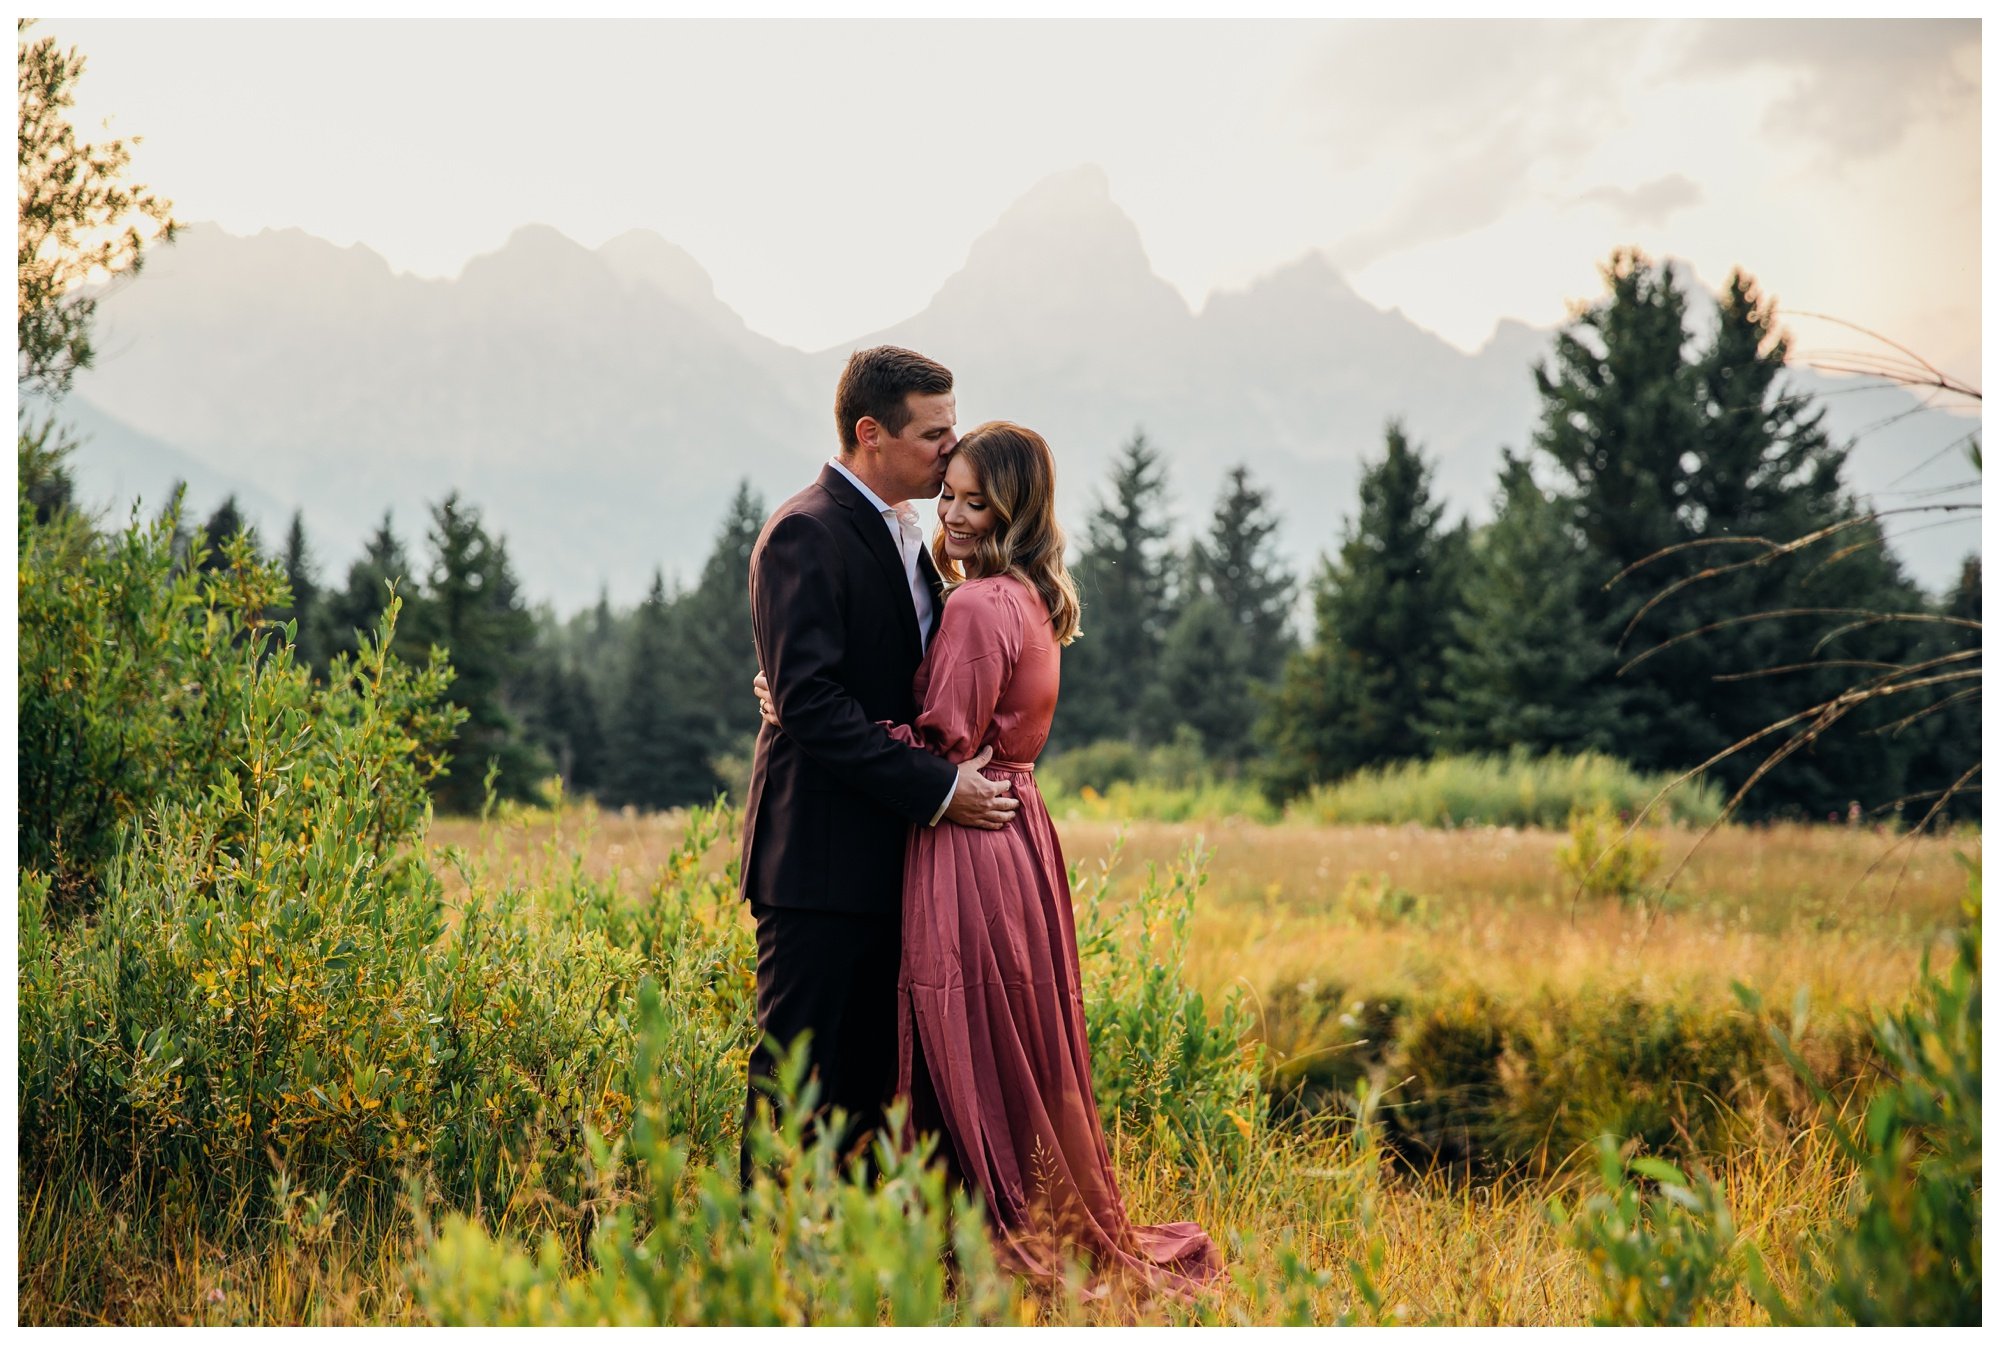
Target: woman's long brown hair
x=1017 y=475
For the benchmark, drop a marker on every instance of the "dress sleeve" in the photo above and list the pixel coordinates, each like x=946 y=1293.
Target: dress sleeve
x=969 y=665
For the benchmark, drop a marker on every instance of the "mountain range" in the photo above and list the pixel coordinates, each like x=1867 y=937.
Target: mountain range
x=600 y=406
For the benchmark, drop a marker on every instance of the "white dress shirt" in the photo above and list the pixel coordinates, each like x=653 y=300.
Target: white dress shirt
x=907 y=535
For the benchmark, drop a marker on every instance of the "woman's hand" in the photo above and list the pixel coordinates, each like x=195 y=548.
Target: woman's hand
x=765 y=706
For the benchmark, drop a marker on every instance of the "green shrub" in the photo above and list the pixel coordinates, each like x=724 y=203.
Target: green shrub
x=1601 y=861
x=1677 y=1077
x=807 y=1243
x=1515 y=790
x=252 y=974
x=1116 y=780
x=1449 y=1060
x=1160 y=1066
x=142 y=684
x=1118 y=761
x=1322 y=1044
x=1662 y=1258
x=1483 y=1084
x=1909 y=1254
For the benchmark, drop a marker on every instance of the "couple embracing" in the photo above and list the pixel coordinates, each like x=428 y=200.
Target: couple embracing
x=911 y=901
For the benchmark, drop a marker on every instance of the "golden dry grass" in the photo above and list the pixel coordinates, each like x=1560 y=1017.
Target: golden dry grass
x=1778 y=907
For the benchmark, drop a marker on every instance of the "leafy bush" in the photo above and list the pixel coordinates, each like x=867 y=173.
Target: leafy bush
x=1159 y=1065
x=1116 y=780
x=805 y=1244
x=1515 y=790
x=1601 y=861
x=1118 y=761
x=1661 y=1258
x=136 y=679
x=1322 y=1044
x=1677 y=1077
x=1449 y=1055
x=1910 y=1255
x=1489 y=1085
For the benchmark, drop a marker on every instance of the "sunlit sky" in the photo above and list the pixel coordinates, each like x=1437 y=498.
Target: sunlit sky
x=831 y=174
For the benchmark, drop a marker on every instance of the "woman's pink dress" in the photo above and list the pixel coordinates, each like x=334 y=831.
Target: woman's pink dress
x=992 y=1027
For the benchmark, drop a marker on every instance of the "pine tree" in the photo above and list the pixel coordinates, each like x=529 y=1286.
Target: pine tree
x=662 y=759
x=307 y=607
x=359 y=604
x=1681 y=458
x=1525 y=667
x=1123 y=579
x=1238 y=566
x=1950 y=741
x=722 y=651
x=559 y=714
x=472 y=608
x=1363 y=692
x=1228 y=645
x=226 y=522
x=1205 y=680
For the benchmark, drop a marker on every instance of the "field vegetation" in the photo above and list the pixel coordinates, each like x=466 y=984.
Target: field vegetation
x=1478 y=1039
x=291 y=1052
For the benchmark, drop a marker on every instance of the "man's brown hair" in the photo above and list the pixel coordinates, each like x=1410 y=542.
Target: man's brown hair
x=877 y=382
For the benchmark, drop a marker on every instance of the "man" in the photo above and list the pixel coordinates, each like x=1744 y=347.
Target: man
x=843 y=599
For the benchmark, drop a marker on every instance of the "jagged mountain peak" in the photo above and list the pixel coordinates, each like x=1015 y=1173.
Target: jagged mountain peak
x=642 y=255
x=539 y=258
x=1063 y=260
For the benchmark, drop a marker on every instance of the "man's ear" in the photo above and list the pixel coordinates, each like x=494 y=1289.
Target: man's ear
x=868 y=432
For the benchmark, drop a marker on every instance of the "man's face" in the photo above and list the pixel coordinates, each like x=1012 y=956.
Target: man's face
x=913 y=462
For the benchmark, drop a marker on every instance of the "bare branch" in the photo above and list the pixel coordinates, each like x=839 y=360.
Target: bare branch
x=1938 y=378
x=1811 y=665
x=1959 y=442
x=1970 y=693
x=1922 y=617
x=1877 y=540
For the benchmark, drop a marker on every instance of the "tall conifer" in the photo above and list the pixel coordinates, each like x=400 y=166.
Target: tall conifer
x=663 y=742
x=1364 y=691
x=1123 y=579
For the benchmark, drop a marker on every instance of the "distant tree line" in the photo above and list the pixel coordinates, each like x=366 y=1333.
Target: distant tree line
x=649 y=707
x=1426 y=636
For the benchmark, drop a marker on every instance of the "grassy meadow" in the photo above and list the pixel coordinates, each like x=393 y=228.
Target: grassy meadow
x=1369 y=962
x=293 y=1052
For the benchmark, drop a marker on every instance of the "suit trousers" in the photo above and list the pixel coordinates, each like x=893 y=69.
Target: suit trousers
x=832 y=974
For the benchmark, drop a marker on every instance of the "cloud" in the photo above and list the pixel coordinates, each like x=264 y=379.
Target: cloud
x=1476 y=117
x=1855 y=86
x=1649 y=203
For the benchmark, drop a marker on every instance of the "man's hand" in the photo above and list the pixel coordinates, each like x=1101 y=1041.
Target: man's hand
x=980 y=802
x=765 y=706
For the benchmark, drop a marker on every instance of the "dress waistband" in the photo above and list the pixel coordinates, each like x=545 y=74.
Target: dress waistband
x=1019 y=767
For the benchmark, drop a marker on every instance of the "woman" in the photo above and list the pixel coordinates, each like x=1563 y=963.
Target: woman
x=993 y=1050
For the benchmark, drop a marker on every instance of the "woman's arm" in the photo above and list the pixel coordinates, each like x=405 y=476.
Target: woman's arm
x=969 y=665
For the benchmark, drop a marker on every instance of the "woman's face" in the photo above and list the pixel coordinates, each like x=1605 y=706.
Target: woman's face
x=963 y=510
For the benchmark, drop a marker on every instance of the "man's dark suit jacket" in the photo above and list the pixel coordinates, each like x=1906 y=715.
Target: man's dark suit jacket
x=831 y=794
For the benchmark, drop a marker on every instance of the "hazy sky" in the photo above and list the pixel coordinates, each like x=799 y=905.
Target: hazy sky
x=831 y=174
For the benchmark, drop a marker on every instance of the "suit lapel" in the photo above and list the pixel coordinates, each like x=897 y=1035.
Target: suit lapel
x=875 y=536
